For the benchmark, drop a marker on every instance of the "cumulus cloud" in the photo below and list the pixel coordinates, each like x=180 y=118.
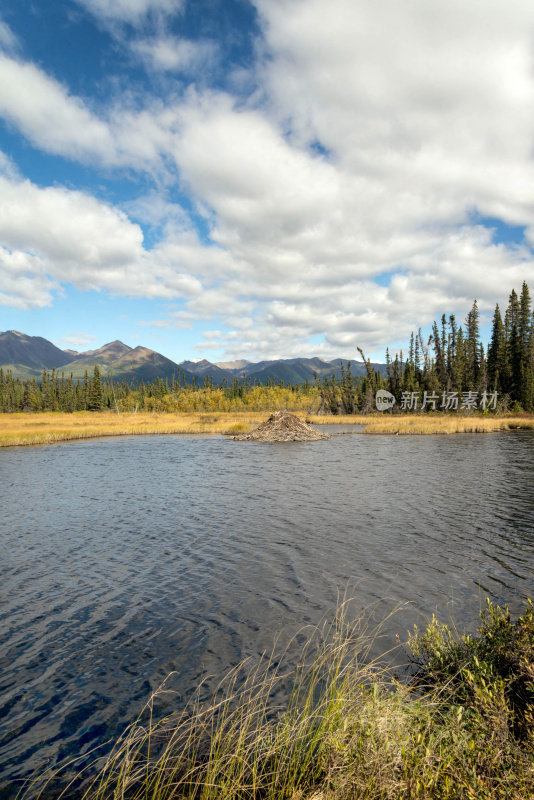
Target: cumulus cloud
x=8 y=40
x=60 y=123
x=305 y=237
x=171 y=54
x=177 y=319
x=438 y=101
x=55 y=235
x=44 y=111
x=381 y=133
x=74 y=230
x=75 y=340
x=131 y=11
x=8 y=168
x=387 y=129
x=24 y=281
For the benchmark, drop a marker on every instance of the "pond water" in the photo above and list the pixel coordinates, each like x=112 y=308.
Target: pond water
x=124 y=559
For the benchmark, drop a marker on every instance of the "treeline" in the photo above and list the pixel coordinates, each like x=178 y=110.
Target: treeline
x=436 y=373
x=56 y=392
x=451 y=368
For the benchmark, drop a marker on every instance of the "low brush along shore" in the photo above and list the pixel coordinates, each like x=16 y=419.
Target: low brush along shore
x=461 y=728
x=49 y=427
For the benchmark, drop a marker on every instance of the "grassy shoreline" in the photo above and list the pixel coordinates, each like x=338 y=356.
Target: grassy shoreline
x=460 y=728
x=48 y=427
x=426 y=424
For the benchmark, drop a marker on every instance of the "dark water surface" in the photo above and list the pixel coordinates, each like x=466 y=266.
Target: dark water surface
x=123 y=559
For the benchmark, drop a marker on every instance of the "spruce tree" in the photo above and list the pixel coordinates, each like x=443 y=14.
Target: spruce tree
x=472 y=346
x=528 y=386
x=498 y=366
x=458 y=375
x=513 y=344
x=440 y=344
x=524 y=327
x=482 y=383
x=96 y=400
x=524 y=320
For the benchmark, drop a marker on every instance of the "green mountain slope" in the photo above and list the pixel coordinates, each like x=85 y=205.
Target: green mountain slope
x=29 y=355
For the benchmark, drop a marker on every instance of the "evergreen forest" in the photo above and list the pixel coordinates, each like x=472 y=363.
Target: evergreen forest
x=451 y=367
x=450 y=370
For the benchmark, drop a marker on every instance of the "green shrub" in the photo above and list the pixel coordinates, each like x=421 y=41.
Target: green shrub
x=493 y=669
x=349 y=729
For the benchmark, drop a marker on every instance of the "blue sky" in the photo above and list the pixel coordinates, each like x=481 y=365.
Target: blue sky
x=232 y=179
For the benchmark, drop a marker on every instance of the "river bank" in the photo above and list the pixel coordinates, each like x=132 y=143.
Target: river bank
x=424 y=424
x=459 y=726
x=46 y=428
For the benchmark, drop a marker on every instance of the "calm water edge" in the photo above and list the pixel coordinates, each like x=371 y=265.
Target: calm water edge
x=124 y=559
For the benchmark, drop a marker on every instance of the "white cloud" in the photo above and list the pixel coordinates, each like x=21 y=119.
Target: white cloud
x=74 y=230
x=54 y=235
x=381 y=131
x=170 y=54
x=24 y=281
x=303 y=239
x=130 y=10
x=52 y=119
x=76 y=340
x=8 y=40
x=438 y=101
x=8 y=168
x=57 y=122
x=183 y=320
x=427 y=119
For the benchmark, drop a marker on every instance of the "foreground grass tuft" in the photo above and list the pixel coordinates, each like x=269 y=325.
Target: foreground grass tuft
x=350 y=729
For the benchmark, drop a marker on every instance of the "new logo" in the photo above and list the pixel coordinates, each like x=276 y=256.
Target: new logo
x=384 y=400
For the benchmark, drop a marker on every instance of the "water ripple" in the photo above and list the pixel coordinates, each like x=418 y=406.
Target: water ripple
x=124 y=559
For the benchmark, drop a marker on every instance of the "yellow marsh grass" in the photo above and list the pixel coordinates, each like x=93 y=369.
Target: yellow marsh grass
x=349 y=730
x=427 y=424
x=244 y=745
x=45 y=428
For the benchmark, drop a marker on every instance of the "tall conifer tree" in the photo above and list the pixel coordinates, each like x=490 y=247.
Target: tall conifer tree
x=96 y=401
x=472 y=349
x=511 y=324
x=498 y=366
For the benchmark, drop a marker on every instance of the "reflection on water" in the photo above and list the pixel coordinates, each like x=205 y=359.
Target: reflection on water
x=124 y=559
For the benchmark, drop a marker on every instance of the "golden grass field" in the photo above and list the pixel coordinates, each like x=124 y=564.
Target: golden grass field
x=428 y=424
x=46 y=428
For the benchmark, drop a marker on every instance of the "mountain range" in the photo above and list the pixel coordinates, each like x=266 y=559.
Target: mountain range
x=27 y=356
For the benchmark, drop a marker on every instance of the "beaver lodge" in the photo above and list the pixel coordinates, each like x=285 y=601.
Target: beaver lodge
x=283 y=427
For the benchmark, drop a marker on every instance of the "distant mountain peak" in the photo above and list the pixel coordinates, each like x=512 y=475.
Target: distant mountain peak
x=197 y=362
x=20 y=350
x=29 y=355
x=112 y=349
